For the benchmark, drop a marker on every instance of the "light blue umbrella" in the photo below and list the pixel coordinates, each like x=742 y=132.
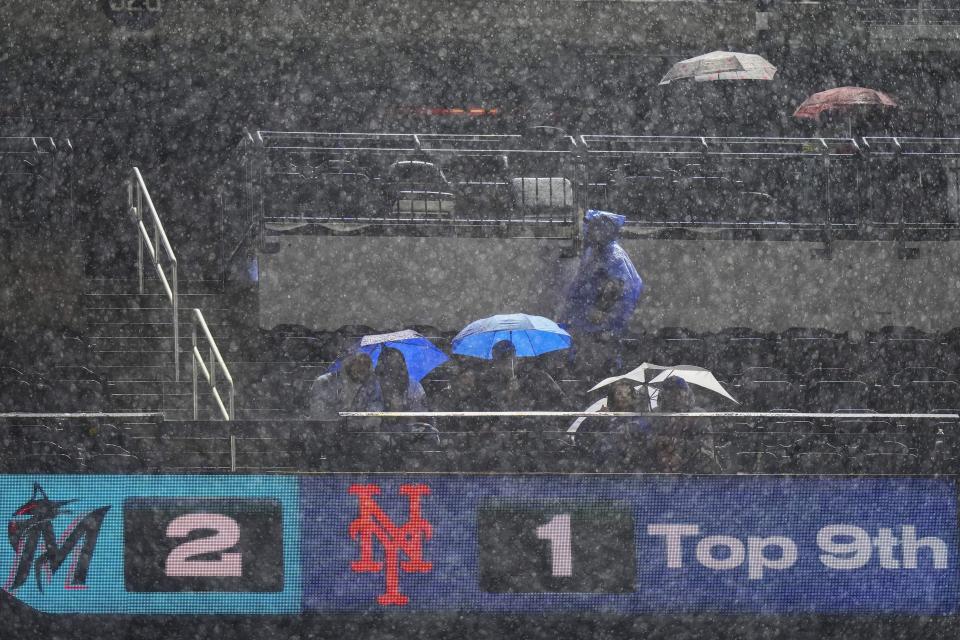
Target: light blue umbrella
x=530 y=336
x=421 y=355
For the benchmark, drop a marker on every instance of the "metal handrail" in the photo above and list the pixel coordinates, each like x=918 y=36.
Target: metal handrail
x=136 y=194
x=209 y=371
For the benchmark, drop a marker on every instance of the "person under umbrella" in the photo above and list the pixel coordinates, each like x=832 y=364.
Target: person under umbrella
x=717 y=93
x=399 y=390
x=510 y=386
x=867 y=104
x=531 y=336
x=351 y=386
x=462 y=392
x=676 y=396
x=420 y=356
x=507 y=385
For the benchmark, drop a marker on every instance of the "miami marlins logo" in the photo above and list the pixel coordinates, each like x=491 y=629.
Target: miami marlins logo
x=32 y=522
x=373 y=524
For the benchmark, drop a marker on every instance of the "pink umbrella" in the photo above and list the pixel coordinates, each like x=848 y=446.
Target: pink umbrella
x=846 y=99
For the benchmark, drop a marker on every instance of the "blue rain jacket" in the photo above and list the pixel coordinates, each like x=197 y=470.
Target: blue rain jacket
x=603 y=259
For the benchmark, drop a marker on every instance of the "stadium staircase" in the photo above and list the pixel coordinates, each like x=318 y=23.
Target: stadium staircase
x=132 y=344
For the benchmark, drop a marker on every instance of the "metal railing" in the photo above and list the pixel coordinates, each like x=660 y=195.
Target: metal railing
x=208 y=367
x=137 y=193
x=814 y=188
x=402 y=180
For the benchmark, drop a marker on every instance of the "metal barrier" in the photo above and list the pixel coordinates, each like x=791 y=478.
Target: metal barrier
x=819 y=188
x=404 y=180
x=137 y=193
x=209 y=370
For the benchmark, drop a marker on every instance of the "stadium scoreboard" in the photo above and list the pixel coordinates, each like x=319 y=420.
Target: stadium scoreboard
x=354 y=543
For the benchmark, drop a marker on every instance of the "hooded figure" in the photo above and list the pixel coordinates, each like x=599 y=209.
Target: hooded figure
x=602 y=297
x=606 y=289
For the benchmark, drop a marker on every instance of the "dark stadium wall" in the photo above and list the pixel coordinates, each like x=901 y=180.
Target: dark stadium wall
x=325 y=283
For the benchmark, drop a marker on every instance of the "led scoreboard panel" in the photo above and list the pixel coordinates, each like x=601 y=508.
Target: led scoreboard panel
x=628 y=544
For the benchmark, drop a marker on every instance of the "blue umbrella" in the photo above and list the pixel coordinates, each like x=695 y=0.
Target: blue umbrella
x=421 y=355
x=530 y=336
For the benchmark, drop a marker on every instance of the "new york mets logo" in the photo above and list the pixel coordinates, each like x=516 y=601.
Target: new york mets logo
x=408 y=538
x=32 y=524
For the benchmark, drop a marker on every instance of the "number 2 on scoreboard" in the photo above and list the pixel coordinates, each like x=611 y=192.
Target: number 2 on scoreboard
x=182 y=563
x=557 y=532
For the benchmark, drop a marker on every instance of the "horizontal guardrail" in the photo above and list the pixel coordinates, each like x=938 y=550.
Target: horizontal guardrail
x=828 y=185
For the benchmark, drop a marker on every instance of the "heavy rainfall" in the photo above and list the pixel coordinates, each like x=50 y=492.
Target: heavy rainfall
x=517 y=318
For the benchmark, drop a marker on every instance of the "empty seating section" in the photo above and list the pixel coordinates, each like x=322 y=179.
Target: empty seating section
x=877 y=186
x=47 y=445
x=414 y=179
x=51 y=372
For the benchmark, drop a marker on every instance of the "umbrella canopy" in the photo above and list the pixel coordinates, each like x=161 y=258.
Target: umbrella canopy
x=421 y=355
x=653 y=374
x=656 y=373
x=695 y=376
x=722 y=65
x=530 y=336
x=843 y=99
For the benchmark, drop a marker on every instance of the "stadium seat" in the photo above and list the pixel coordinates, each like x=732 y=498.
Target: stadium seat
x=803 y=349
x=45 y=457
x=736 y=351
x=346 y=196
x=825 y=396
x=482 y=187
x=417 y=190
x=680 y=346
x=642 y=199
x=765 y=389
x=289 y=195
x=924 y=396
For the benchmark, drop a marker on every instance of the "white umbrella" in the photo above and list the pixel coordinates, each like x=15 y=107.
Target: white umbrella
x=691 y=374
x=657 y=373
x=722 y=65
x=637 y=375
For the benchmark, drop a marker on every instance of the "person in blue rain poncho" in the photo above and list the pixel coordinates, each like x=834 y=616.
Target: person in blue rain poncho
x=603 y=295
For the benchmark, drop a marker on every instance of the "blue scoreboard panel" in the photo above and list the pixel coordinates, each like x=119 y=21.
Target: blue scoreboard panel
x=345 y=543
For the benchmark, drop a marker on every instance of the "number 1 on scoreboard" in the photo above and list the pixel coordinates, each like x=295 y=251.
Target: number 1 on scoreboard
x=530 y=548
x=557 y=532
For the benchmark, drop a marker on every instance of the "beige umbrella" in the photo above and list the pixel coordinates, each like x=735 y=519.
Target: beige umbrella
x=649 y=374
x=722 y=65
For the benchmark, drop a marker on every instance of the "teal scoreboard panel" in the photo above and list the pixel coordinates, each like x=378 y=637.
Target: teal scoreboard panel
x=526 y=544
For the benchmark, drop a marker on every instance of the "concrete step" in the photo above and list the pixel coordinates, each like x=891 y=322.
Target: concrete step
x=151 y=284
x=134 y=358
x=137 y=372
x=132 y=387
x=108 y=344
x=138 y=301
x=137 y=402
x=156 y=314
x=123 y=329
